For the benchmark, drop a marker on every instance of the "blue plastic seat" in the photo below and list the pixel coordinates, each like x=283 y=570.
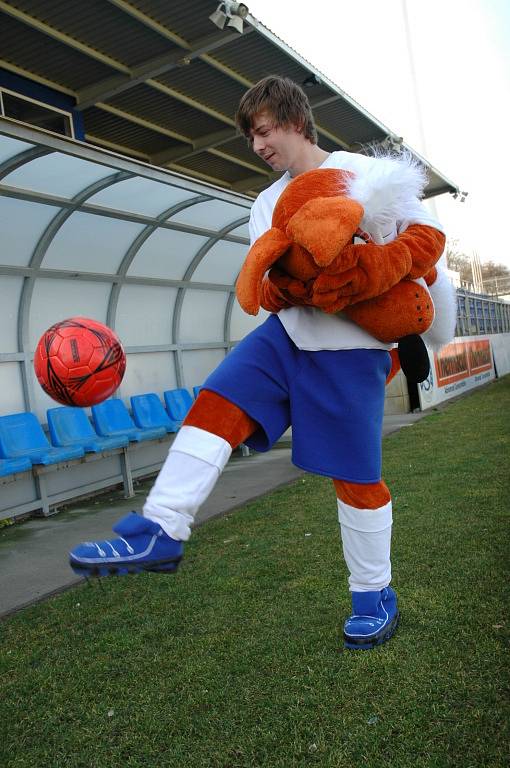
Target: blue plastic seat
x=10 y=466
x=178 y=402
x=71 y=426
x=22 y=435
x=112 y=418
x=149 y=411
x=196 y=390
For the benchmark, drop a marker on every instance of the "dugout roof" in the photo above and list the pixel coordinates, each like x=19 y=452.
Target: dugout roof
x=150 y=253
x=157 y=81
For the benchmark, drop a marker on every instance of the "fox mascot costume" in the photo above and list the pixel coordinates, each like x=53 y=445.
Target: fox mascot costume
x=309 y=252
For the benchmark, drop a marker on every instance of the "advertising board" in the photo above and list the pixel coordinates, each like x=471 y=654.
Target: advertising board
x=463 y=364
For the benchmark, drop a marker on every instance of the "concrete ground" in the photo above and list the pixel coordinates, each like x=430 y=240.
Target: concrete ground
x=33 y=554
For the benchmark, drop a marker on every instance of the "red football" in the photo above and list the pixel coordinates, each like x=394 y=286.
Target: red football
x=79 y=361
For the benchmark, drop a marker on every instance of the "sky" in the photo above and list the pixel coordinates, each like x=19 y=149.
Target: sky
x=441 y=80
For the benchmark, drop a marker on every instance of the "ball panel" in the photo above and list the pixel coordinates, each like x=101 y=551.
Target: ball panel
x=75 y=350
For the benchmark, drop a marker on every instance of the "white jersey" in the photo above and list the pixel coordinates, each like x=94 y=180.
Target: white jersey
x=308 y=327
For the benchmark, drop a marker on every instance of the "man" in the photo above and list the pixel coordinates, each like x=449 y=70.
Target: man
x=316 y=371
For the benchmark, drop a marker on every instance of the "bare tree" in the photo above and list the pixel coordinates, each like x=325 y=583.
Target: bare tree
x=494 y=269
x=460 y=262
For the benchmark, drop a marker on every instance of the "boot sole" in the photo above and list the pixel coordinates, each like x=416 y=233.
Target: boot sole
x=124 y=569
x=366 y=643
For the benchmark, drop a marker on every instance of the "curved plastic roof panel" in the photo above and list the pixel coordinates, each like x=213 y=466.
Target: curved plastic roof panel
x=153 y=254
x=158 y=81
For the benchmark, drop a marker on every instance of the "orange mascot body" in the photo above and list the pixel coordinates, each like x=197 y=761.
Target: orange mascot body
x=314 y=260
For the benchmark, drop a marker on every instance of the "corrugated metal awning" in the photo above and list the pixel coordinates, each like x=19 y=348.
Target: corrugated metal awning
x=157 y=80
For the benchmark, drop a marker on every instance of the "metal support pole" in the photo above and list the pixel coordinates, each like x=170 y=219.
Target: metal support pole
x=42 y=494
x=127 y=477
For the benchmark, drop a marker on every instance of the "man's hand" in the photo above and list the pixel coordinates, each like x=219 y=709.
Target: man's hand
x=272 y=298
x=280 y=291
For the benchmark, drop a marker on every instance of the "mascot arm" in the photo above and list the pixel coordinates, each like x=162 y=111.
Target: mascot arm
x=378 y=268
x=428 y=246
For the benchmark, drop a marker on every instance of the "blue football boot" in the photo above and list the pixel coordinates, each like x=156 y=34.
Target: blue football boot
x=374 y=619
x=142 y=546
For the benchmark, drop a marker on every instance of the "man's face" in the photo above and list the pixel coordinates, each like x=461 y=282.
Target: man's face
x=279 y=146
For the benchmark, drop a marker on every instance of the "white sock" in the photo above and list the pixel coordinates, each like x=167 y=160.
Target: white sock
x=192 y=467
x=366 y=541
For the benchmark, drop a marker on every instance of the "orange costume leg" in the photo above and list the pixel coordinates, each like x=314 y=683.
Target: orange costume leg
x=362 y=495
x=365 y=517
x=395 y=365
x=212 y=429
x=215 y=414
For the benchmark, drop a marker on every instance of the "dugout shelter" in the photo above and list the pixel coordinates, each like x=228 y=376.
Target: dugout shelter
x=125 y=193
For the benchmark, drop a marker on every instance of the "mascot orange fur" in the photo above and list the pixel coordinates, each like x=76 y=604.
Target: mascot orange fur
x=314 y=260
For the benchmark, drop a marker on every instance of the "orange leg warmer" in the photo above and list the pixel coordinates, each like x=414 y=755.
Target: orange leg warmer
x=362 y=495
x=215 y=414
x=395 y=365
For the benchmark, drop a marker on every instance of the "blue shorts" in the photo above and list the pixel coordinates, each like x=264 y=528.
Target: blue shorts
x=334 y=400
